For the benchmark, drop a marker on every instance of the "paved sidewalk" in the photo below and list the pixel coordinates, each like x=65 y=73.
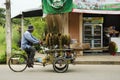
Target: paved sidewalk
x=109 y=59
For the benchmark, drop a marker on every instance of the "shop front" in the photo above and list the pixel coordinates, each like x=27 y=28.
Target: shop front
x=89 y=22
x=95 y=23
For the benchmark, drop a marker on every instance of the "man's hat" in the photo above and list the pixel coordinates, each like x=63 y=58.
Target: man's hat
x=30 y=27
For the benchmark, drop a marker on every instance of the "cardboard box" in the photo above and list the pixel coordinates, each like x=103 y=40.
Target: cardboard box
x=86 y=45
x=80 y=45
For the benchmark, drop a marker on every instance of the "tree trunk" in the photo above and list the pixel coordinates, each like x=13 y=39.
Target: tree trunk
x=8 y=29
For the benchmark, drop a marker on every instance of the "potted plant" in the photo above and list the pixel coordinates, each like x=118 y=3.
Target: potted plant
x=113 y=48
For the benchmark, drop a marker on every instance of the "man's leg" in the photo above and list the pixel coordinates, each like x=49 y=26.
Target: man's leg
x=31 y=53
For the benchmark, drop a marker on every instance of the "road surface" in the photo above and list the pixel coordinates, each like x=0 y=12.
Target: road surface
x=75 y=72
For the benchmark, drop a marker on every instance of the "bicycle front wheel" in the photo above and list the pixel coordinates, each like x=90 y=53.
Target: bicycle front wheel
x=17 y=63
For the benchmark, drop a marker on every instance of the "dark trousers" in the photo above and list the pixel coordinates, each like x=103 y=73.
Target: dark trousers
x=31 y=53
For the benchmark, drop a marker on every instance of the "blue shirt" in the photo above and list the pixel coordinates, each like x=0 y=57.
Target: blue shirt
x=27 y=38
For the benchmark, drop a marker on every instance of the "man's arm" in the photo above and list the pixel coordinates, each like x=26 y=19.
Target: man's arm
x=29 y=37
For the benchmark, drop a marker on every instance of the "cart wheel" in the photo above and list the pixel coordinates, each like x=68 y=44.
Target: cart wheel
x=60 y=65
x=17 y=63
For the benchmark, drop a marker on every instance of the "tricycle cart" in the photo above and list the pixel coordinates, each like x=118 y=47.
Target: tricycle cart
x=59 y=58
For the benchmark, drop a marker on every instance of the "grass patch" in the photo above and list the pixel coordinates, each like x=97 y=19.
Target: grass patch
x=2 y=55
x=2 y=45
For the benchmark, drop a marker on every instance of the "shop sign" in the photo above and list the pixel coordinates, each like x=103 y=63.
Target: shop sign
x=97 y=6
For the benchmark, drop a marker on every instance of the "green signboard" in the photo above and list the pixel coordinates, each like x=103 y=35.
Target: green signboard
x=57 y=6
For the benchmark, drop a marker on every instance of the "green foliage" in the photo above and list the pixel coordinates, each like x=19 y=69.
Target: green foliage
x=2 y=54
x=40 y=26
x=17 y=21
x=15 y=37
x=18 y=51
x=2 y=16
x=2 y=58
x=37 y=22
x=2 y=37
x=2 y=45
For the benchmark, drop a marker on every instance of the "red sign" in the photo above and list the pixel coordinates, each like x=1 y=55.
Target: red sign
x=117 y=0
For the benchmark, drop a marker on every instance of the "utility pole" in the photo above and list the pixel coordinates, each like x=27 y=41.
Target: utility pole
x=22 y=24
x=8 y=29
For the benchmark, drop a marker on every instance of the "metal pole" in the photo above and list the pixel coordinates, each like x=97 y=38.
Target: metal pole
x=8 y=29
x=22 y=24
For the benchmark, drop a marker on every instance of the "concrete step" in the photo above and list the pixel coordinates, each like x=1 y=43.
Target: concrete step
x=114 y=60
x=98 y=62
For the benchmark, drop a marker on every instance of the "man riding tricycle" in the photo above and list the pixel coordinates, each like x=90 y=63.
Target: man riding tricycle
x=56 y=47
